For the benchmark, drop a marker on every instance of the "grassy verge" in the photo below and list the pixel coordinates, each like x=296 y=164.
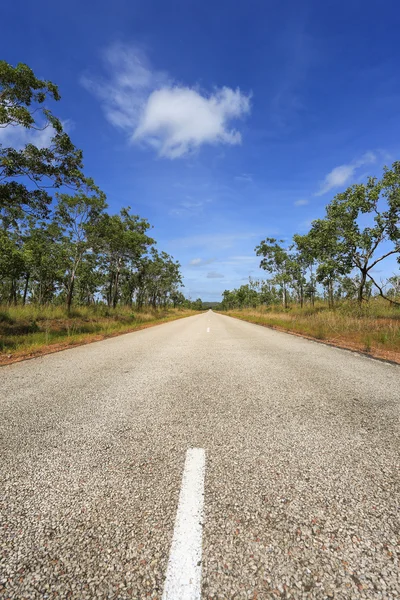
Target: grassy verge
x=375 y=329
x=27 y=331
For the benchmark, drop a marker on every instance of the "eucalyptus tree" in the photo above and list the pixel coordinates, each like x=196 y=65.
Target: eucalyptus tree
x=394 y=283
x=277 y=261
x=27 y=173
x=321 y=247
x=89 y=280
x=306 y=259
x=78 y=217
x=43 y=268
x=364 y=226
x=161 y=277
x=228 y=299
x=12 y=266
x=177 y=298
x=122 y=242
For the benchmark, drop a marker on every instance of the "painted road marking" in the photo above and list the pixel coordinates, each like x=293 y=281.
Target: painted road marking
x=208 y=330
x=183 y=579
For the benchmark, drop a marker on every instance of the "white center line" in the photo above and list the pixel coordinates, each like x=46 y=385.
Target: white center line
x=208 y=330
x=183 y=579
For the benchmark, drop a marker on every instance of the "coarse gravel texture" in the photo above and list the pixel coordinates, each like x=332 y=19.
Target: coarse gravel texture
x=302 y=465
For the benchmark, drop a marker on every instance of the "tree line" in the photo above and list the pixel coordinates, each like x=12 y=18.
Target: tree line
x=58 y=241
x=339 y=256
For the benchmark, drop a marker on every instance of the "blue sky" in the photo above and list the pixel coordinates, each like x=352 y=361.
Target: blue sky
x=221 y=122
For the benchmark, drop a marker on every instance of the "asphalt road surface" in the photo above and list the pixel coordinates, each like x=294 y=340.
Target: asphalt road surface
x=296 y=447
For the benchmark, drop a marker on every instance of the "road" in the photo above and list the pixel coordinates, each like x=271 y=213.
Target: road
x=301 y=475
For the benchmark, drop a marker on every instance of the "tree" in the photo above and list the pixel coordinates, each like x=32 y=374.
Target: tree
x=78 y=217
x=177 y=298
x=12 y=265
x=160 y=277
x=197 y=304
x=276 y=260
x=22 y=104
x=394 y=283
x=122 y=243
x=42 y=258
x=356 y=245
x=305 y=257
x=321 y=246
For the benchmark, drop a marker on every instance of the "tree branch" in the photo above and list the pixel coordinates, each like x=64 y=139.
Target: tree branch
x=381 y=292
x=382 y=257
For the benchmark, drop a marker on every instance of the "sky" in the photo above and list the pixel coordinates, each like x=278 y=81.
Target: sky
x=221 y=122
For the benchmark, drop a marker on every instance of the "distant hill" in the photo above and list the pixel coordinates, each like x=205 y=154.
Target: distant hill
x=213 y=305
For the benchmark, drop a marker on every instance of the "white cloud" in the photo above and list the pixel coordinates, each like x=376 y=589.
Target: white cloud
x=196 y=262
x=17 y=136
x=243 y=258
x=173 y=119
x=215 y=275
x=342 y=174
x=301 y=202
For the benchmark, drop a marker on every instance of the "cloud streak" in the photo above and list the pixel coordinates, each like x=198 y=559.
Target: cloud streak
x=18 y=136
x=342 y=174
x=173 y=119
x=199 y=262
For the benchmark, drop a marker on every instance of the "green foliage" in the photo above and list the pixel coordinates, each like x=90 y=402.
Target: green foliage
x=22 y=104
x=361 y=229
x=72 y=252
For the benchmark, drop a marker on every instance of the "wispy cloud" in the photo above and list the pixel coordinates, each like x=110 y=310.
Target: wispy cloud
x=243 y=258
x=301 y=203
x=18 y=136
x=152 y=109
x=215 y=275
x=245 y=177
x=199 y=262
x=212 y=241
x=189 y=207
x=343 y=174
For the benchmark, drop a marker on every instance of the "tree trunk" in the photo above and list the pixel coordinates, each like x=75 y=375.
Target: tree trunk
x=116 y=285
x=284 y=296
x=109 y=292
x=330 y=294
x=362 y=286
x=70 y=293
x=13 y=292
x=25 y=288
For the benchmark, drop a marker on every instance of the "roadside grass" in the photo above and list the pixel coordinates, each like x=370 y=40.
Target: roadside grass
x=29 y=330
x=373 y=328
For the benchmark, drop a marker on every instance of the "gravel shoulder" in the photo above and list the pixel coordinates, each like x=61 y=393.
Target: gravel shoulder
x=302 y=465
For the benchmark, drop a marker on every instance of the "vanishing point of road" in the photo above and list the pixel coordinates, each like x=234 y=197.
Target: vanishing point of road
x=253 y=463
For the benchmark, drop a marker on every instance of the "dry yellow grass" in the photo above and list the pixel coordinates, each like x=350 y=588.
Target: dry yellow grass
x=375 y=329
x=27 y=331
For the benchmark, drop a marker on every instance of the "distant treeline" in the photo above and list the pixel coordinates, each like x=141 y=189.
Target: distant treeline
x=341 y=255
x=58 y=242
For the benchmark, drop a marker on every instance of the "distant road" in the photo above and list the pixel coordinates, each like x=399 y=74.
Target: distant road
x=297 y=450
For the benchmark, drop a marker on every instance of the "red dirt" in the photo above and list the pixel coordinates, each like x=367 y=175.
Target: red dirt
x=338 y=342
